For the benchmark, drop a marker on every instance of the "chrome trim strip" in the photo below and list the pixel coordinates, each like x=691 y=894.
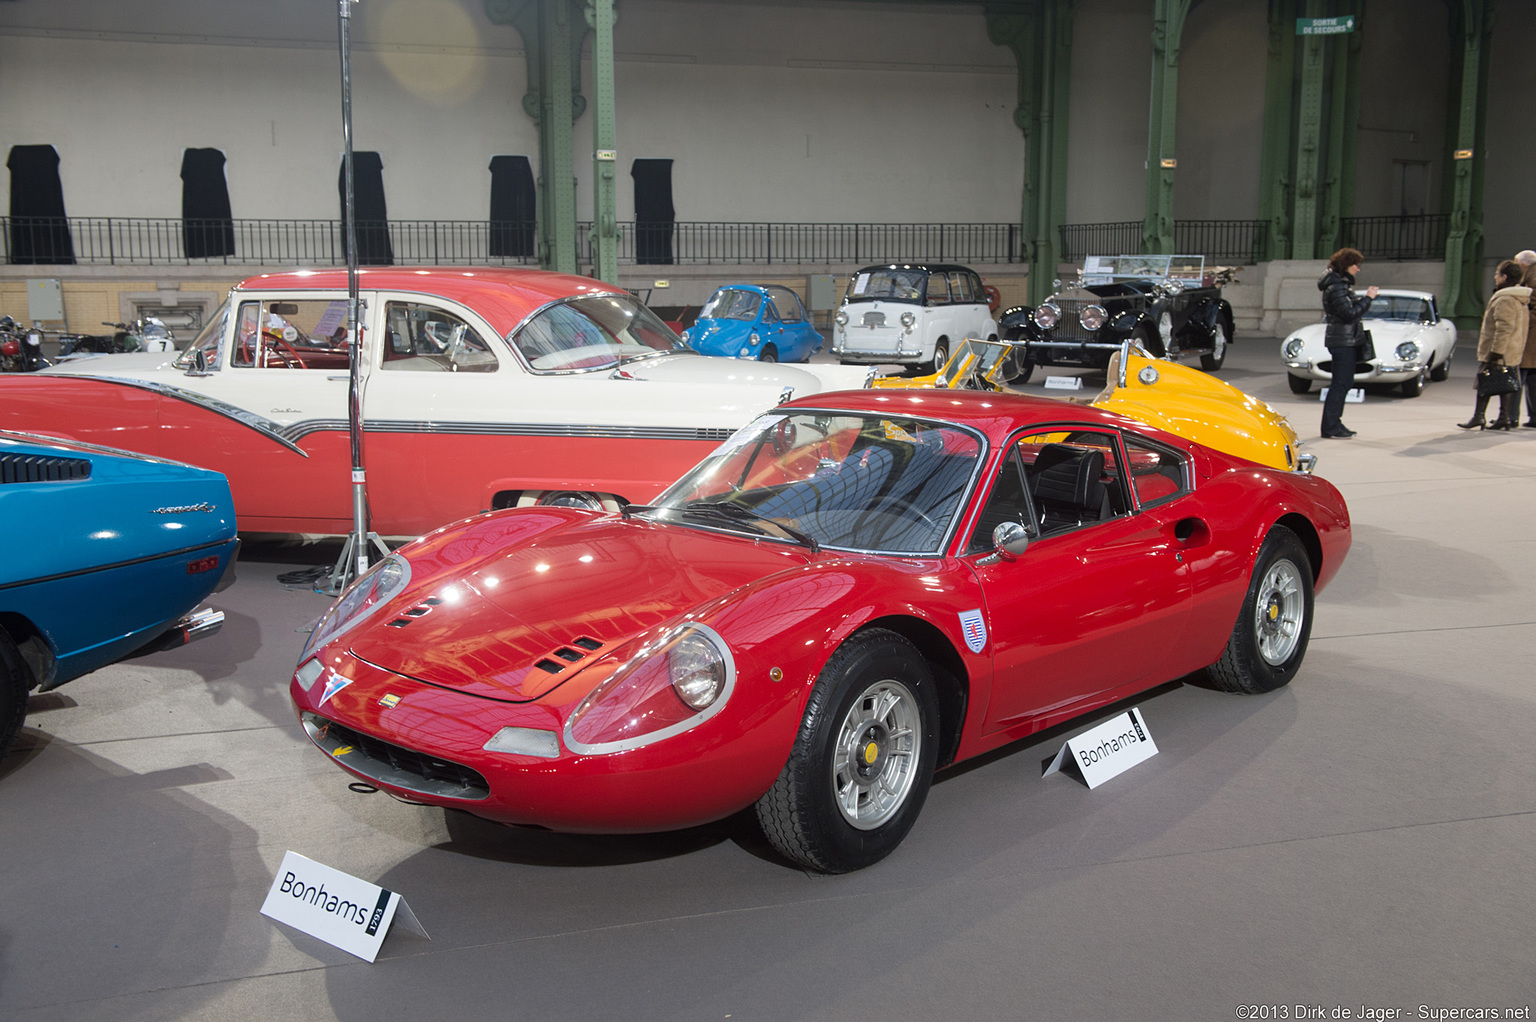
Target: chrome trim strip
x=300 y=430
x=266 y=427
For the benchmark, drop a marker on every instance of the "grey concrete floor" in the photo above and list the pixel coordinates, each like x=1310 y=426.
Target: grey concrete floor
x=1364 y=839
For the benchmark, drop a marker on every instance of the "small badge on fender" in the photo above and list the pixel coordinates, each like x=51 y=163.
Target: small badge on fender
x=390 y=701
x=975 y=628
x=335 y=683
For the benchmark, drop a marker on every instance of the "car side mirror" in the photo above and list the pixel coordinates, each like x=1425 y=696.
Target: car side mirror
x=199 y=363
x=1009 y=541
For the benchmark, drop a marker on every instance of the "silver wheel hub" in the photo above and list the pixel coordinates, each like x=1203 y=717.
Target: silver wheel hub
x=874 y=761
x=1279 y=613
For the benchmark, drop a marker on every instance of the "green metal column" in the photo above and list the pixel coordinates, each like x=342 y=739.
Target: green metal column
x=552 y=32
x=605 y=222
x=1309 y=141
x=1464 y=242
x=1167 y=31
x=1338 y=200
x=1039 y=32
x=1276 y=155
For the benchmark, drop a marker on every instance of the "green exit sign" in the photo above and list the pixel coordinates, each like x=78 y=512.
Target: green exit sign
x=1325 y=26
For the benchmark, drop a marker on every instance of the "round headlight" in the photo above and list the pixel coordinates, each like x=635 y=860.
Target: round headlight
x=687 y=336
x=753 y=339
x=1292 y=347
x=1092 y=317
x=697 y=670
x=1408 y=351
x=841 y=317
x=1047 y=316
x=907 y=319
x=746 y=353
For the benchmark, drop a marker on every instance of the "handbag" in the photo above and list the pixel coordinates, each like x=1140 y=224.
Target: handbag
x=1497 y=379
x=1367 y=349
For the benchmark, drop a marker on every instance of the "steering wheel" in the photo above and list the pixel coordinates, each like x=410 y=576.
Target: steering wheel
x=277 y=345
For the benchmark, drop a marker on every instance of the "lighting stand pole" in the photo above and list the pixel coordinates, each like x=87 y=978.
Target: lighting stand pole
x=354 y=555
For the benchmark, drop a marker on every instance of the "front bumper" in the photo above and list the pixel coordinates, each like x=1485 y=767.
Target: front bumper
x=425 y=744
x=1365 y=372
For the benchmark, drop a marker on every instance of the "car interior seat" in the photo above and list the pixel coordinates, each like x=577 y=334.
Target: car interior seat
x=1068 y=486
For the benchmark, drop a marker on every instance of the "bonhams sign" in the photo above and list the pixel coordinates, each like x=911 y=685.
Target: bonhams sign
x=340 y=909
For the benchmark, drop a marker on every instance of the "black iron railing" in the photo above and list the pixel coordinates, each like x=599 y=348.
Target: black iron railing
x=151 y=241
x=1224 y=241
x=1397 y=238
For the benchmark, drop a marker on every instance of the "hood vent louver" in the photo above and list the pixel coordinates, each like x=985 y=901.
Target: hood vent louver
x=41 y=468
x=569 y=655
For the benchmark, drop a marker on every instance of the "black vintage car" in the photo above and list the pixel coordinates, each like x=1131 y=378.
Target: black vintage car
x=1168 y=305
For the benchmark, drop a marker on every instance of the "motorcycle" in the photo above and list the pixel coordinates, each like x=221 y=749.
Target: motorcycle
x=21 y=351
x=147 y=334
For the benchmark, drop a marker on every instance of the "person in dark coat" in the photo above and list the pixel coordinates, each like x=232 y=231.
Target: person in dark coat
x=1342 y=311
x=1527 y=260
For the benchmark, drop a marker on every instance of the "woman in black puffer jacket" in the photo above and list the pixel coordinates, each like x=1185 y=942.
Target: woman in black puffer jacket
x=1342 y=311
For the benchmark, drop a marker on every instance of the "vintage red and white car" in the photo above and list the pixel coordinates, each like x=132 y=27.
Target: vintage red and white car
x=481 y=388
x=855 y=590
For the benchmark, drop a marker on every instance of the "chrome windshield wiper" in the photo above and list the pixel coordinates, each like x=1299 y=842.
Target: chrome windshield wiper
x=745 y=515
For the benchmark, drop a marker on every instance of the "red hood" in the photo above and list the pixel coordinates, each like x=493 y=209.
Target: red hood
x=563 y=598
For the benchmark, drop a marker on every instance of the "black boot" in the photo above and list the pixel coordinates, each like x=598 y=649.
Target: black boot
x=1476 y=422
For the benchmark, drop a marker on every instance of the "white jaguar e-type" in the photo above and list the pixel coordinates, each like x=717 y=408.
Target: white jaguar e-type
x=1413 y=345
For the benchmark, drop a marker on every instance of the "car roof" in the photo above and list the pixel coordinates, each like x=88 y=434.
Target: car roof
x=503 y=295
x=929 y=267
x=994 y=414
x=1401 y=293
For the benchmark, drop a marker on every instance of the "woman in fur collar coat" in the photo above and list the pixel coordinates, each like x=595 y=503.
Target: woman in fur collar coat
x=1342 y=311
x=1501 y=342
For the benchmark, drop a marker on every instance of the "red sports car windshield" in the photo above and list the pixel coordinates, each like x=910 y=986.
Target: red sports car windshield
x=870 y=483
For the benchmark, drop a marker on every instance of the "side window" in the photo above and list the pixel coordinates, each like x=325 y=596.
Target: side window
x=1074 y=479
x=1157 y=473
x=425 y=339
x=771 y=312
x=305 y=334
x=938 y=289
x=960 y=286
x=1008 y=502
x=788 y=304
x=978 y=290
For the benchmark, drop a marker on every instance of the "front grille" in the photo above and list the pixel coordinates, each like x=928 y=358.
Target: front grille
x=395 y=765
x=41 y=468
x=1069 y=329
x=874 y=319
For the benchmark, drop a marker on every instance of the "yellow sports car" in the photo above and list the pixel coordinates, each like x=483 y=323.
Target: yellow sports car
x=1196 y=405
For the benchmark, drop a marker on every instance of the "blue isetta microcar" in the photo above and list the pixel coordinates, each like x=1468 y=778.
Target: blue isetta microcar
x=766 y=323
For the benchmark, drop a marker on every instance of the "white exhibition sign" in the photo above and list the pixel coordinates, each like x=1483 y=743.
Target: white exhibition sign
x=340 y=909
x=1063 y=383
x=1354 y=396
x=1106 y=750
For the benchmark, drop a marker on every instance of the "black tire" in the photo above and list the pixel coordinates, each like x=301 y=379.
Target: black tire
x=1221 y=338
x=768 y=354
x=15 y=681
x=1269 y=639
x=830 y=811
x=1442 y=372
x=1415 y=386
x=1299 y=385
x=940 y=356
x=1146 y=335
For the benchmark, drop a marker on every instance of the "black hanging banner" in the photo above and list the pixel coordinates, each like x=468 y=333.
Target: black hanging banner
x=654 y=215
x=513 y=207
x=208 y=229
x=373 y=246
x=39 y=229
